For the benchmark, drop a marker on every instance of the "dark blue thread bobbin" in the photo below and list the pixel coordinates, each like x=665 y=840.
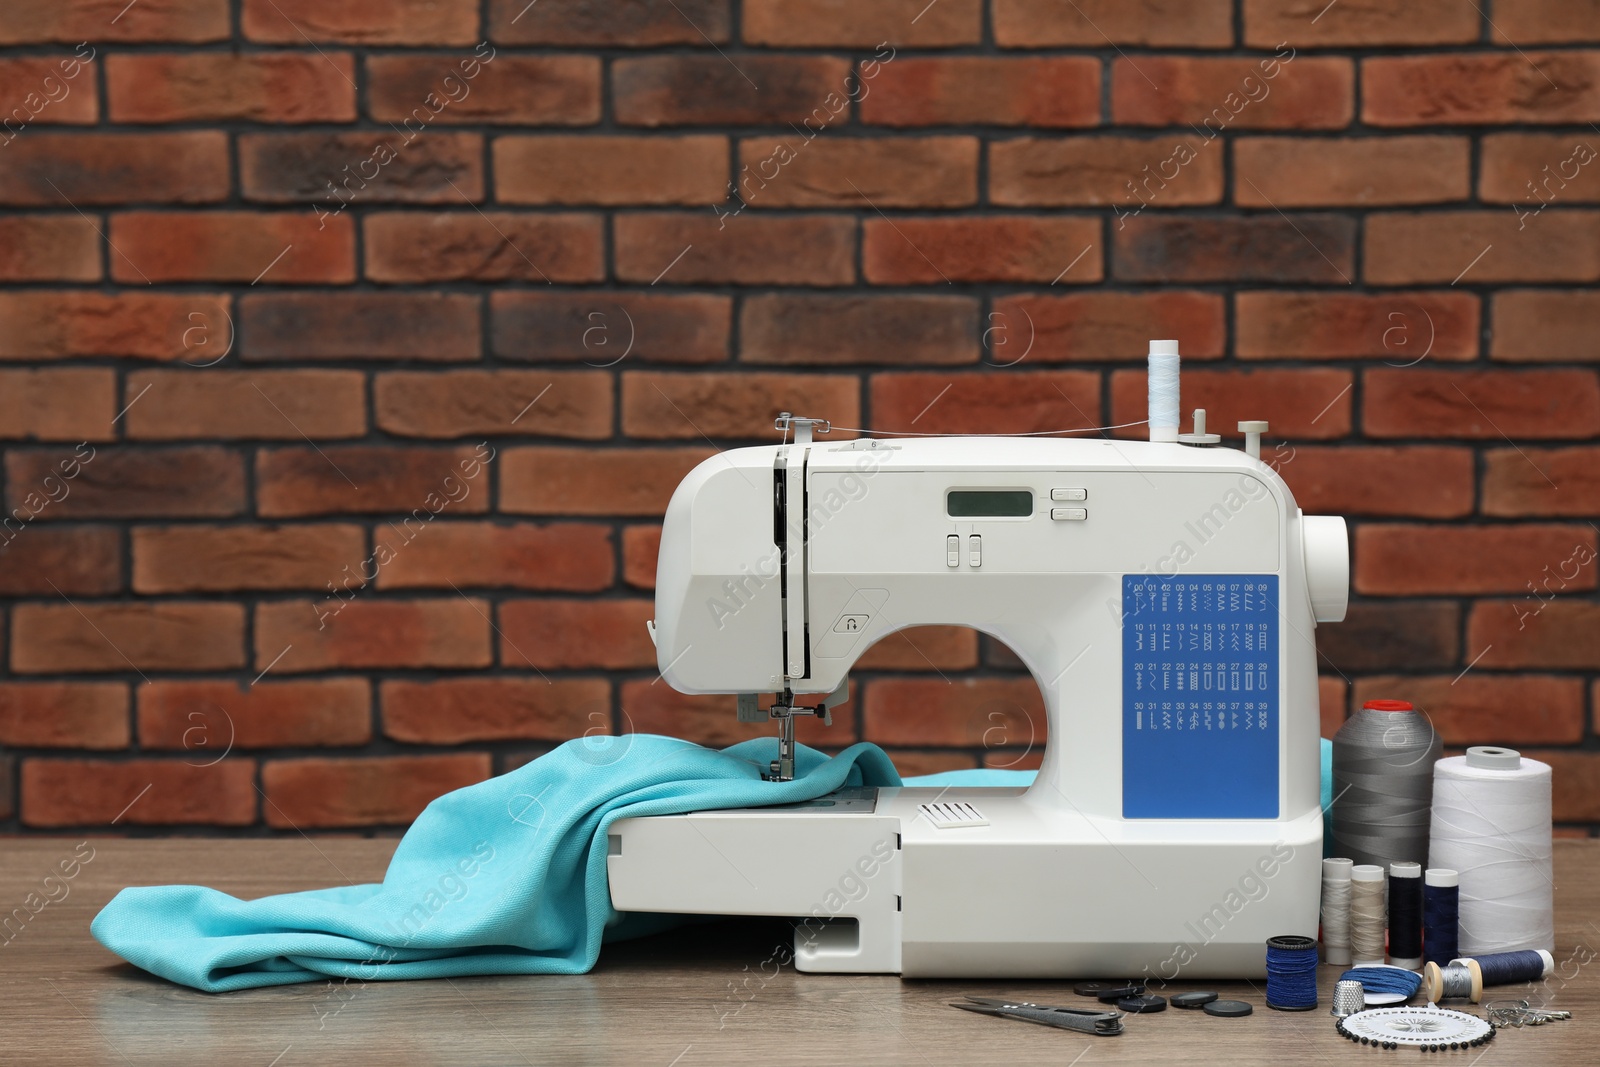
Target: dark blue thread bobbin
x=1291 y=973
x=1441 y=916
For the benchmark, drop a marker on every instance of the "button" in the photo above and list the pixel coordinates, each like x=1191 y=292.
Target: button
x=850 y=624
x=1069 y=494
x=1069 y=514
x=952 y=551
x=975 y=550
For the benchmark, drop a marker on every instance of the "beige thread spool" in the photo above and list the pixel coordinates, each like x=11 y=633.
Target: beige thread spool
x=1367 y=914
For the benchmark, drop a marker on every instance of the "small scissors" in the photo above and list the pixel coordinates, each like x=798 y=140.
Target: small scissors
x=1084 y=1020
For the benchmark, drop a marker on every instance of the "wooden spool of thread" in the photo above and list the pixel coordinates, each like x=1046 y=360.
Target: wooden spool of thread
x=1461 y=978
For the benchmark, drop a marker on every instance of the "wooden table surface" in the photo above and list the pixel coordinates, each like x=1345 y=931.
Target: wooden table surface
x=680 y=999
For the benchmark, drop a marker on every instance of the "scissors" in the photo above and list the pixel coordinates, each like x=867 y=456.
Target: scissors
x=1084 y=1020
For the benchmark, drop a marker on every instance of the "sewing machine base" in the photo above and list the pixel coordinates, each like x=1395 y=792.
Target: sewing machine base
x=1031 y=893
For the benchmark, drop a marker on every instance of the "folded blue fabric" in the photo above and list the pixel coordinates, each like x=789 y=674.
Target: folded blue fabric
x=504 y=877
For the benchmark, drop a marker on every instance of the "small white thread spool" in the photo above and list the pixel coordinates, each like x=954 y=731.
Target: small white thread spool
x=1336 y=911
x=1367 y=914
x=1163 y=381
x=1491 y=822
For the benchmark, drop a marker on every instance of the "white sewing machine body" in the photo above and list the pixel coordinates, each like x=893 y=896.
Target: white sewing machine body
x=1161 y=597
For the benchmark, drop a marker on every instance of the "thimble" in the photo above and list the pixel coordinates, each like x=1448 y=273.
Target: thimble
x=1348 y=998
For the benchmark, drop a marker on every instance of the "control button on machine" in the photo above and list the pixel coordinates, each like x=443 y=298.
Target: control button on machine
x=1069 y=494
x=850 y=624
x=952 y=551
x=1069 y=514
x=975 y=549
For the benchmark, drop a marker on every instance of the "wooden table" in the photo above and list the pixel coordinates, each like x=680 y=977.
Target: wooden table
x=686 y=998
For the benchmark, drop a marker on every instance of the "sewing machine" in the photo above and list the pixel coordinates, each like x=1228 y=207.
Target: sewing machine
x=1164 y=595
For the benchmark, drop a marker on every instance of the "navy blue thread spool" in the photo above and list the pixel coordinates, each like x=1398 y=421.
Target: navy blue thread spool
x=1291 y=973
x=1405 y=915
x=1441 y=911
x=1508 y=968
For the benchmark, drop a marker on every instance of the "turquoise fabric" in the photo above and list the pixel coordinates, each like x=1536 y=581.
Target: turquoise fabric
x=504 y=877
x=982 y=776
x=1327 y=797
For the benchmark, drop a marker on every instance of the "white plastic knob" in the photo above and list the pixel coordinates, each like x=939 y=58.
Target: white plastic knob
x=1327 y=555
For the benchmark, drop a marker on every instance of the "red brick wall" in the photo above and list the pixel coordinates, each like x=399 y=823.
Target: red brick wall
x=280 y=273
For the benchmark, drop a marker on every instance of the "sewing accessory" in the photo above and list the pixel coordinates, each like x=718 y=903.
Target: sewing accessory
x=1109 y=993
x=1507 y=968
x=1114 y=990
x=1291 y=973
x=1162 y=390
x=1348 y=998
x=1383 y=985
x=1441 y=899
x=1336 y=911
x=1099 y=1023
x=1458 y=980
x=1383 y=759
x=1197 y=999
x=1466 y=978
x=1141 y=1005
x=1430 y=1029
x=1200 y=436
x=1228 y=1009
x=1367 y=914
x=1518 y=1013
x=1491 y=822
x=1193 y=717
x=1017 y=1002
x=1405 y=915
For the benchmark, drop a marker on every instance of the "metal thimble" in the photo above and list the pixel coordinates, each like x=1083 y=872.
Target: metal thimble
x=1348 y=998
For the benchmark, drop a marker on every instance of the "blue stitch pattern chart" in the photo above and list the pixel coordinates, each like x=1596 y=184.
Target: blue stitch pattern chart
x=1200 y=697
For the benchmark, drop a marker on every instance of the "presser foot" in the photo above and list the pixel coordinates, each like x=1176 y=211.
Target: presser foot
x=784 y=710
x=782 y=768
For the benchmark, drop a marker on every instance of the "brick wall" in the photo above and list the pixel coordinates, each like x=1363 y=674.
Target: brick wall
x=349 y=351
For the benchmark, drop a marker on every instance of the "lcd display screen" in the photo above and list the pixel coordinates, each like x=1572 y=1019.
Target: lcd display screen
x=989 y=503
